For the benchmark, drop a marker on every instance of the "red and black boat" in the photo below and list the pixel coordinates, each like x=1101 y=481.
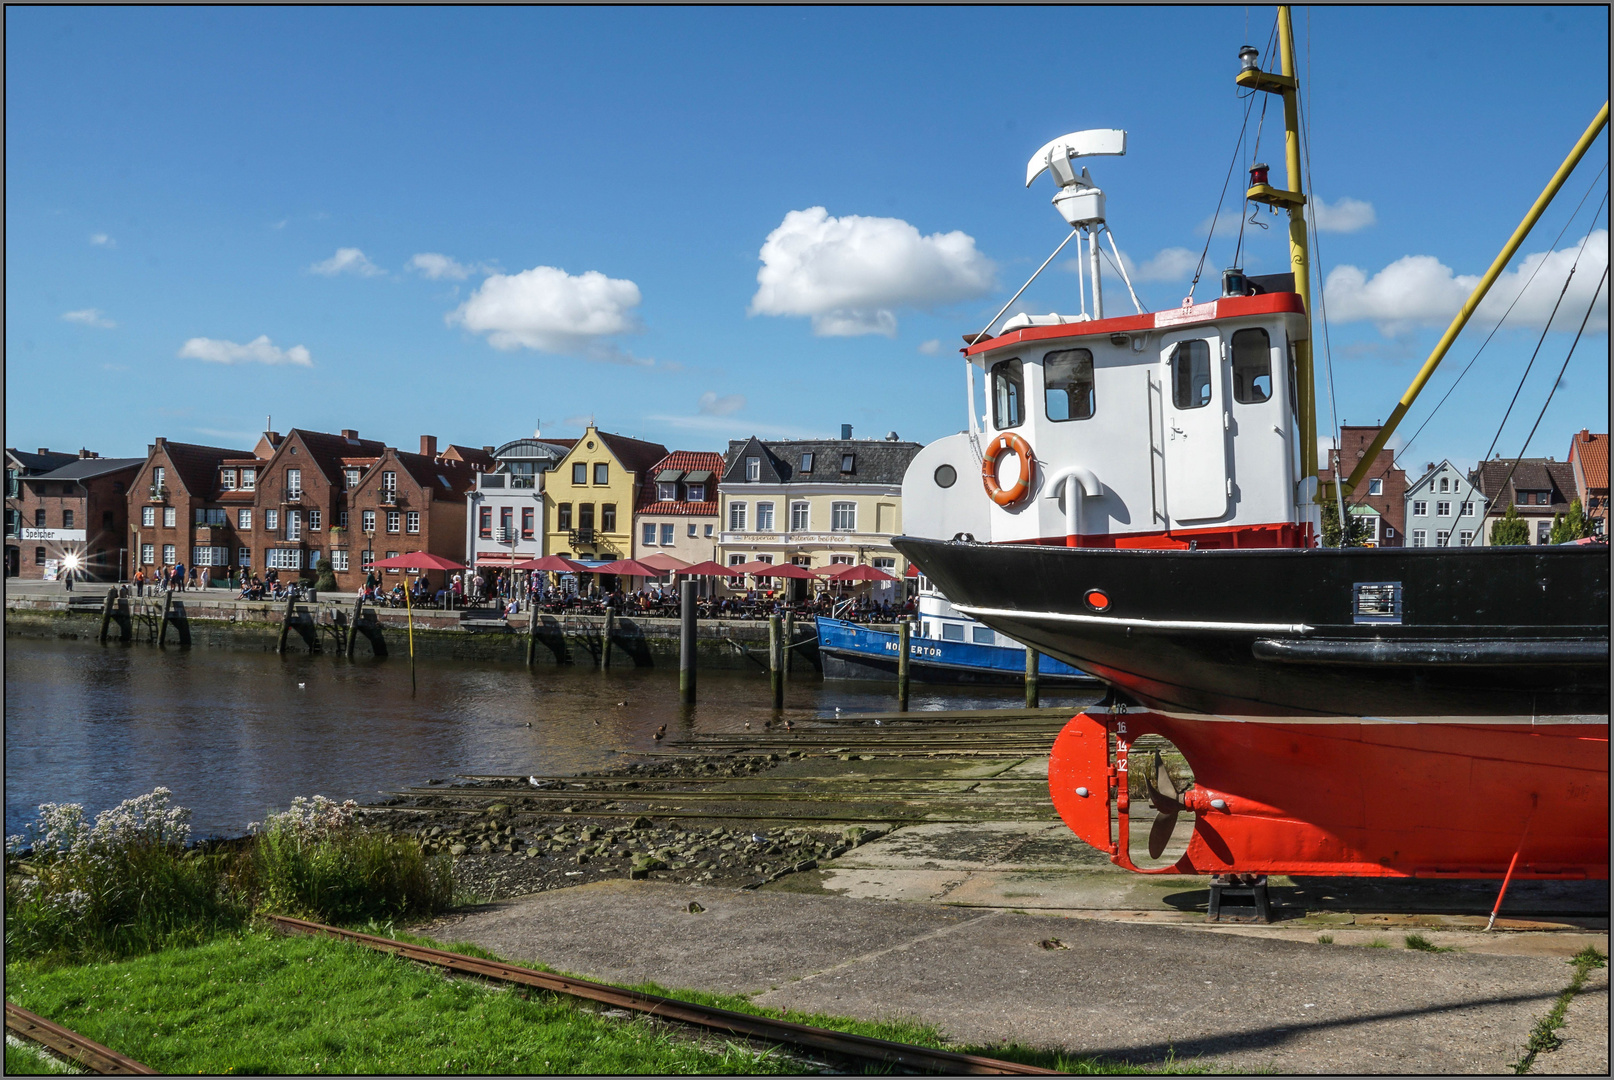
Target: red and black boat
x=1148 y=510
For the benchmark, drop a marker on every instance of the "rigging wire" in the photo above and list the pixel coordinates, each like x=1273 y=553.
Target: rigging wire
x=1244 y=126
x=1569 y=277
x=1304 y=105
x=1591 y=307
x=1255 y=210
x=1522 y=289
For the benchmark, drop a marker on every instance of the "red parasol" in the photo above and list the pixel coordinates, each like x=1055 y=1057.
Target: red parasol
x=418 y=560
x=664 y=562
x=756 y=567
x=554 y=564
x=912 y=571
x=630 y=567
x=705 y=569
x=786 y=570
x=863 y=573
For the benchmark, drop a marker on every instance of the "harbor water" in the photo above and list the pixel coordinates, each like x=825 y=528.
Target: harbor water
x=236 y=735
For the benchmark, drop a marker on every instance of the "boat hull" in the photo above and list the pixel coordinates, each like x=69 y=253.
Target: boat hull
x=1487 y=632
x=1354 y=798
x=850 y=651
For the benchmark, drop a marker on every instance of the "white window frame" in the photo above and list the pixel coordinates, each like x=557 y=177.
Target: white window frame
x=315 y=517
x=1466 y=509
x=753 y=469
x=1420 y=538
x=249 y=479
x=271 y=520
x=243 y=556
x=226 y=479
x=294 y=524
x=666 y=492
x=148 y=554
x=389 y=482
x=647 y=534
x=1443 y=508
x=1375 y=487
x=243 y=518
x=691 y=531
x=765 y=517
x=394 y=522
x=801 y=516
x=843 y=516
x=294 y=483
x=367 y=521
x=148 y=517
x=669 y=533
x=1465 y=537
x=351 y=477
x=736 y=580
x=168 y=554
x=170 y=517
x=737 y=517
x=709 y=530
x=339 y=560
x=695 y=492
x=283 y=559
x=412 y=521
x=1420 y=508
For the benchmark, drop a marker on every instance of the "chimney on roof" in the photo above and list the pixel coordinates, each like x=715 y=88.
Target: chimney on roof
x=44 y=449
x=428 y=446
x=487 y=449
x=846 y=431
x=273 y=437
x=162 y=441
x=349 y=433
x=83 y=453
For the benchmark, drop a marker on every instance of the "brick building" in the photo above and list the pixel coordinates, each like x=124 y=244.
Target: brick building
x=176 y=483
x=72 y=519
x=1588 y=457
x=20 y=463
x=404 y=503
x=1380 y=498
x=1538 y=488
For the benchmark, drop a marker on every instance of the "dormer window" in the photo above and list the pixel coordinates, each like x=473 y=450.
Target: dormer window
x=807 y=461
x=249 y=479
x=352 y=478
x=695 y=492
x=848 y=463
x=666 y=492
x=753 y=469
x=227 y=479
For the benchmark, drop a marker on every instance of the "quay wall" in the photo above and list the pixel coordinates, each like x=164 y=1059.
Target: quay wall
x=320 y=627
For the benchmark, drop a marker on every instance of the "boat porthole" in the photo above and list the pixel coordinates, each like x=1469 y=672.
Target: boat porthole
x=1097 y=600
x=946 y=476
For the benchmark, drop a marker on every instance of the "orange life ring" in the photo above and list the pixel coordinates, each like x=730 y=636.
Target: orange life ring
x=989 y=469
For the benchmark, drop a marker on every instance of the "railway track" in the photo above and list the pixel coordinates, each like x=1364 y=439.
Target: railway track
x=859 y=1048
x=75 y=1048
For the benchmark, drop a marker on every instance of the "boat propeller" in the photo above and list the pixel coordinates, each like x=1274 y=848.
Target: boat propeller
x=1163 y=796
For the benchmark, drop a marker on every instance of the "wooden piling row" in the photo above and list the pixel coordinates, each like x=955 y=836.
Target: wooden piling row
x=904 y=631
x=686 y=641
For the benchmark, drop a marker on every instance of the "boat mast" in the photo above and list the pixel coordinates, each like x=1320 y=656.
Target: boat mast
x=1484 y=286
x=1294 y=201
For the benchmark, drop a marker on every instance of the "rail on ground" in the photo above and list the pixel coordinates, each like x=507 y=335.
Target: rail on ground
x=85 y=1053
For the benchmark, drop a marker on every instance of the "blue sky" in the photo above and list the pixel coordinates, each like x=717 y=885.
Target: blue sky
x=460 y=221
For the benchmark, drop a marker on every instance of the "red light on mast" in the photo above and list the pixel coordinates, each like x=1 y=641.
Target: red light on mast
x=1258 y=175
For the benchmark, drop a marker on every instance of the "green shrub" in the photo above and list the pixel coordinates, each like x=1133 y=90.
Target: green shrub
x=125 y=885
x=326 y=581
x=1511 y=531
x=315 y=861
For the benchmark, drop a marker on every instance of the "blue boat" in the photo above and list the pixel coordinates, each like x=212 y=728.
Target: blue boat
x=852 y=651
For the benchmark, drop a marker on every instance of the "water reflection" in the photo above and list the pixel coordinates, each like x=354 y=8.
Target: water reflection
x=236 y=734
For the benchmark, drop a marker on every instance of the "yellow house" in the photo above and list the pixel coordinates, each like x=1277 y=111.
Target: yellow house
x=590 y=495
x=815 y=503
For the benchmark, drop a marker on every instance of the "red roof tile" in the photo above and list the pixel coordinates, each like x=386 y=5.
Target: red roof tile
x=684 y=461
x=1591 y=451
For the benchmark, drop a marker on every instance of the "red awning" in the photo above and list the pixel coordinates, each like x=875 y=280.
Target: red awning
x=552 y=563
x=630 y=567
x=704 y=569
x=418 y=560
x=664 y=562
x=786 y=570
x=863 y=573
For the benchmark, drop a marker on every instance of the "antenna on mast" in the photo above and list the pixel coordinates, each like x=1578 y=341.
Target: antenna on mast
x=1080 y=201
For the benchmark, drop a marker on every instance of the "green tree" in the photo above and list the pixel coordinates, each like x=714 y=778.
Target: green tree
x=326 y=581
x=1512 y=530
x=1571 y=526
x=1355 y=532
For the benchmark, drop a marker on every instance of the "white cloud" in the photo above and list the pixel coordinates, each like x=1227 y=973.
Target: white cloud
x=89 y=317
x=429 y=264
x=931 y=347
x=727 y=405
x=260 y=350
x=850 y=273
x=347 y=261
x=1420 y=290
x=281 y=224
x=1345 y=216
x=551 y=311
x=101 y=239
x=1168 y=264
x=733 y=426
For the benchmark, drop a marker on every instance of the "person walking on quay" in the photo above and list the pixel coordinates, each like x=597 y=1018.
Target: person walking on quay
x=140 y=581
x=179 y=576
x=68 y=575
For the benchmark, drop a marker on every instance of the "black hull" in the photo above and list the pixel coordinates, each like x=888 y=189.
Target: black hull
x=1483 y=632
x=844 y=664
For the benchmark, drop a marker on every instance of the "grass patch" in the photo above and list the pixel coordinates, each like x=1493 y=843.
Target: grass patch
x=1325 y=939
x=23 y=1059
x=1419 y=943
x=1544 y=1037
x=1377 y=943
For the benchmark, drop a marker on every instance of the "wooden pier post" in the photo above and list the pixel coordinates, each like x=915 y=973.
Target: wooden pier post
x=285 y=622
x=106 y=613
x=532 y=630
x=125 y=620
x=1033 y=660
x=353 y=627
x=605 y=639
x=162 y=632
x=776 y=672
x=790 y=640
x=904 y=630
x=686 y=641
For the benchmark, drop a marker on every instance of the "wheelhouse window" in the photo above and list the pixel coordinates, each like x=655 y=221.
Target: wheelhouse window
x=1252 y=366
x=1068 y=380
x=1008 y=394
x=1191 y=374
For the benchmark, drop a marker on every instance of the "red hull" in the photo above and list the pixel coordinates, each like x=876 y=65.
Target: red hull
x=1380 y=799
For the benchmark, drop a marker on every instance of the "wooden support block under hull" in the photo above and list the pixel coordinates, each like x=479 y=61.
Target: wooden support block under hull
x=1354 y=798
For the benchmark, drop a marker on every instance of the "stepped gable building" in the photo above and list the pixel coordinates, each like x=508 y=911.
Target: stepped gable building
x=1380 y=498
x=406 y=503
x=1588 y=456
x=21 y=463
x=1444 y=509
x=814 y=502
x=505 y=510
x=72 y=519
x=1538 y=488
x=591 y=494
x=177 y=482
x=677 y=511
